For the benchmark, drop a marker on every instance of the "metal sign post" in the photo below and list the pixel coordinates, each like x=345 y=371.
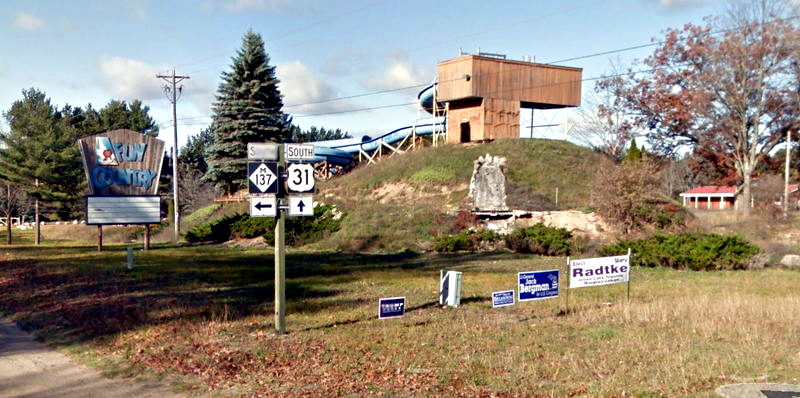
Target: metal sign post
x=280 y=254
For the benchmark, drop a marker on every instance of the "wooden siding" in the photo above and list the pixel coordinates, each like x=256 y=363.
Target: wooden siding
x=538 y=85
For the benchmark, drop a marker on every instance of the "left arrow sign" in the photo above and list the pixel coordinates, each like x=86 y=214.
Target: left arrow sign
x=263 y=206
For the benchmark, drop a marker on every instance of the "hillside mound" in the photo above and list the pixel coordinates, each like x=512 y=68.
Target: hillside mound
x=405 y=200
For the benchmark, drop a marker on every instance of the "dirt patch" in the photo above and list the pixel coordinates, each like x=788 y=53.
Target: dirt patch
x=405 y=192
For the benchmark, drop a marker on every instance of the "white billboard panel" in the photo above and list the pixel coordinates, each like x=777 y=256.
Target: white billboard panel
x=107 y=210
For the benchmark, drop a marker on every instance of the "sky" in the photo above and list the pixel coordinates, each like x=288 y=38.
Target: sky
x=90 y=52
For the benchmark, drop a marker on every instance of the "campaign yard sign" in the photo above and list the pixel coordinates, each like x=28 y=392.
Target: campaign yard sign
x=599 y=271
x=537 y=285
x=393 y=307
x=502 y=299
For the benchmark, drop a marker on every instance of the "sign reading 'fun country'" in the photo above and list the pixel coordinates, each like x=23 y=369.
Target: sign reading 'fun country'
x=122 y=163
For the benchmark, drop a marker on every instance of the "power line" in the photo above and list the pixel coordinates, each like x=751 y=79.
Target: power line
x=378 y=92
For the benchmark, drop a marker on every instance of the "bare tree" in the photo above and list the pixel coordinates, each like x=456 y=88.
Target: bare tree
x=195 y=192
x=11 y=202
x=604 y=124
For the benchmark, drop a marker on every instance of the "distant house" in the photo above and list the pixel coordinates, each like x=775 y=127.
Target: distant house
x=711 y=197
x=716 y=197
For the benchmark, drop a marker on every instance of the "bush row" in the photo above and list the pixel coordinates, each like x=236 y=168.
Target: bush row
x=537 y=239
x=299 y=230
x=695 y=251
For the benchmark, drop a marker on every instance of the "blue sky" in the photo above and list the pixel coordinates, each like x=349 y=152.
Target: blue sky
x=81 y=52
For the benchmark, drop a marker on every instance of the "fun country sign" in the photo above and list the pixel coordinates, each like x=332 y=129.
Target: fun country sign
x=122 y=163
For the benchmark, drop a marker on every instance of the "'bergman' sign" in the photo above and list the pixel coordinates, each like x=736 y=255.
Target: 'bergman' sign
x=599 y=271
x=122 y=162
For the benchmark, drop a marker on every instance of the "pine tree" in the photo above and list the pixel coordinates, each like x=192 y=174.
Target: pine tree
x=248 y=109
x=634 y=154
x=40 y=147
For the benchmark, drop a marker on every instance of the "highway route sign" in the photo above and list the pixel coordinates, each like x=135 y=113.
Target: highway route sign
x=262 y=177
x=263 y=206
x=301 y=206
x=300 y=177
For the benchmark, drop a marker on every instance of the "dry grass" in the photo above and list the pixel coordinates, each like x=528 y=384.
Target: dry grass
x=203 y=315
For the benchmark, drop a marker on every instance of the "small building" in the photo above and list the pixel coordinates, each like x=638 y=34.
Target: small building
x=716 y=197
x=483 y=94
x=710 y=197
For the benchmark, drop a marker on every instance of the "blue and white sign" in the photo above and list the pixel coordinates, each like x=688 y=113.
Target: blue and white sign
x=599 y=271
x=393 y=307
x=502 y=299
x=537 y=285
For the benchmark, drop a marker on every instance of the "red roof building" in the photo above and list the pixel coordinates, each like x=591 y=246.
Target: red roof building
x=716 y=197
x=711 y=197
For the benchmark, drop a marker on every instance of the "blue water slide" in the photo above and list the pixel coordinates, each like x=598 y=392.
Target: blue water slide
x=340 y=152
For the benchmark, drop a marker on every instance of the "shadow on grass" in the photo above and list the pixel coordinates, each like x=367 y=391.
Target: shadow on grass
x=367 y=319
x=73 y=293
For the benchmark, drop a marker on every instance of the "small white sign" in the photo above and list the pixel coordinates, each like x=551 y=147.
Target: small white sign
x=300 y=177
x=262 y=151
x=301 y=206
x=264 y=206
x=299 y=151
x=599 y=271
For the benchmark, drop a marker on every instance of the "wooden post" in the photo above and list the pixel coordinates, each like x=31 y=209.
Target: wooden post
x=630 y=273
x=99 y=238
x=566 y=310
x=147 y=236
x=37 y=238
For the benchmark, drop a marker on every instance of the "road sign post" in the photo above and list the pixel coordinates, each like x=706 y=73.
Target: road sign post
x=280 y=255
x=266 y=174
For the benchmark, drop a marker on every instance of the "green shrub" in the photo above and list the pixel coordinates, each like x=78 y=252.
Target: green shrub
x=695 y=251
x=541 y=239
x=299 y=230
x=252 y=227
x=304 y=230
x=465 y=240
x=218 y=230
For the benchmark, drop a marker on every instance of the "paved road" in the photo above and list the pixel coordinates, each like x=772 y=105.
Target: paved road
x=31 y=369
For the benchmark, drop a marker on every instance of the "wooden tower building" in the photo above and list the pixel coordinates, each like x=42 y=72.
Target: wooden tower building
x=483 y=94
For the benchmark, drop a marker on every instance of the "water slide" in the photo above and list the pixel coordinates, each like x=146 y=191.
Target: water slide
x=341 y=152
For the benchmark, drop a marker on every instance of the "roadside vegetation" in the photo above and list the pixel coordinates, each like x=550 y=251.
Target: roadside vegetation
x=201 y=317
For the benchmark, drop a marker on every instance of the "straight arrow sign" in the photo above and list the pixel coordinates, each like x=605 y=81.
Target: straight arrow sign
x=301 y=206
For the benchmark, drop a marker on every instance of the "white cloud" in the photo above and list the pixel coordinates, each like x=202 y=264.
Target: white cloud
x=138 y=8
x=679 y=3
x=255 y=5
x=299 y=85
x=27 y=21
x=400 y=73
x=130 y=79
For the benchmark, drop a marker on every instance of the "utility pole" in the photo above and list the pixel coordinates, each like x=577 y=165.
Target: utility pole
x=172 y=90
x=786 y=175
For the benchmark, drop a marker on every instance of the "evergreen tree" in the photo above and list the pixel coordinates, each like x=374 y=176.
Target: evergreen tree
x=248 y=109
x=40 y=146
x=634 y=154
x=193 y=156
x=118 y=115
x=316 y=134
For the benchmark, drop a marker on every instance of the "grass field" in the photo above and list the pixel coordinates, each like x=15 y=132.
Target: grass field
x=201 y=317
